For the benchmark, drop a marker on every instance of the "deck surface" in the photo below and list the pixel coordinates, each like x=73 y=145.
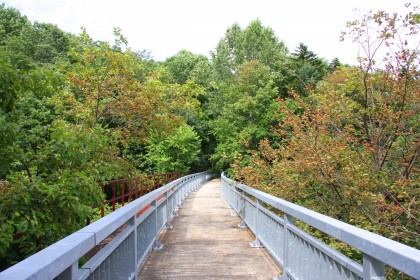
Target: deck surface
x=205 y=243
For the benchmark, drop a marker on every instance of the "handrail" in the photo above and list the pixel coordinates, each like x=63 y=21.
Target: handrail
x=143 y=219
x=296 y=250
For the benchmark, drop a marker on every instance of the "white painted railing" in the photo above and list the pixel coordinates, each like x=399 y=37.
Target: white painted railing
x=304 y=257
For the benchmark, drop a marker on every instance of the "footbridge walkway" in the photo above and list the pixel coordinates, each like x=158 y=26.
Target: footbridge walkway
x=198 y=227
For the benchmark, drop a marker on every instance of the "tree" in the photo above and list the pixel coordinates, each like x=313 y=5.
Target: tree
x=176 y=152
x=186 y=66
x=9 y=84
x=38 y=44
x=56 y=196
x=334 y=64
x=254 y=43
x=308 y=69
x=246 y=112
x=106 y=91
x=11 y=23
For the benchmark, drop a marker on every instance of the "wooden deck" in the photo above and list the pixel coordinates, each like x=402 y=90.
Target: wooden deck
x=205 y=243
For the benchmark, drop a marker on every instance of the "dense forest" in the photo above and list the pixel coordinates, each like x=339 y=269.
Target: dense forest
x=339 y=139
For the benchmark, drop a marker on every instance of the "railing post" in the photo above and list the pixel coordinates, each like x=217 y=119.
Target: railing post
x=179 y=195
x=132 y=222
x=288 y=220
x=256 y=243
x=157 y=245
x=242 y=212
x=122 y=193
x=168 y=211
x=70 y=273
x=228 y=196
x=137 y=187
x=102 y=207
x=235 y=203
x=174 y=198
x=113 y=196
x=373 y=269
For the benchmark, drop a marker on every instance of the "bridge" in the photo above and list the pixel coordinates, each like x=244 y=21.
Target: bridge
x=197 y=227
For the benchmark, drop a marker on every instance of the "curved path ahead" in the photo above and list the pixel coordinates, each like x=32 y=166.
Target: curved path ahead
x=205 y=243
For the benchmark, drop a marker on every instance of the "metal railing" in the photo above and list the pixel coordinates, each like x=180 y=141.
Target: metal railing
x=138 y=223
x=304 y=257
x=126 y=190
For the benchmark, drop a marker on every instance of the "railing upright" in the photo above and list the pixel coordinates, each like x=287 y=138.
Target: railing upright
x=288 y=220
x=256 y=243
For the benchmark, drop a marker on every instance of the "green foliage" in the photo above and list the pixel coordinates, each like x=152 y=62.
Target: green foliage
x=9 y=84
x=186 y=66
x=11 y=23
x=245 y=114
x=37 y=44
x=55 y=195
x=254 y=43
x=176 y=152
x=308 y=69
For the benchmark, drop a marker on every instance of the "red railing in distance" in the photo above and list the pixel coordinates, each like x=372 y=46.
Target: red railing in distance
x=125 y=190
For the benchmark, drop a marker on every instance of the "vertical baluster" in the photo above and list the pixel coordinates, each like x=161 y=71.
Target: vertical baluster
x=256 y=243
x=102 y=206
x=113 y=196
x=141 y=186
x=130 y=191
x=70 y=273
x=133 y=224
x=168 y=212
x=157 y=245
x=288 y=220
x=373 y=269
x=122 y=192
x=242 y=224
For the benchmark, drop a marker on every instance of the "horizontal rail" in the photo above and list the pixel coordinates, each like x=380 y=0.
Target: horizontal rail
x=138 y=224
x=303 y=256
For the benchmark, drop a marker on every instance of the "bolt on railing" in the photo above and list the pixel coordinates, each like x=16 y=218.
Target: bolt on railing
x=302 y=256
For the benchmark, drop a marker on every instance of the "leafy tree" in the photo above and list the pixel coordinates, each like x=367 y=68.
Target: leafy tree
x=9 y=84
x=55 y=198
x=254 y=43
x=176 y=152
x=186 y=66
x=106 y=92
x=11 y=23
x=250 y=69
x=37 y=44
x=246 y=113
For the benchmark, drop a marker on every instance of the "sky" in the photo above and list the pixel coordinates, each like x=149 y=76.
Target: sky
x=164 y=27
